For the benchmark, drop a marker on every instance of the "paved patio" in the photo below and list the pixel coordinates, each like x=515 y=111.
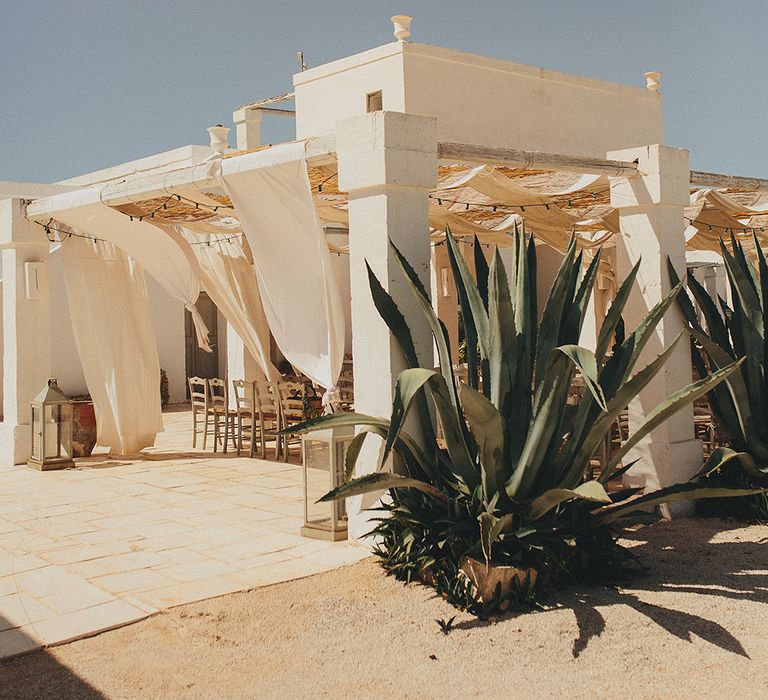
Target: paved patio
x=116 y=540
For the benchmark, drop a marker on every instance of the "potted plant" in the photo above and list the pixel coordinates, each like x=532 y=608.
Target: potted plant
x=84 y=429
x=505 y=505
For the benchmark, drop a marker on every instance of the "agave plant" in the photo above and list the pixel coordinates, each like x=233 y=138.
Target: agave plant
x=739 y=404
x=510 y=477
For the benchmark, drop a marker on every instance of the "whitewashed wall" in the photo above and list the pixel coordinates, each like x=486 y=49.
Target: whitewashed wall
x=481 y=100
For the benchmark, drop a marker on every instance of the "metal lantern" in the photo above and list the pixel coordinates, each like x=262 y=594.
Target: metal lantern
x=50 y=424
x=323 y=454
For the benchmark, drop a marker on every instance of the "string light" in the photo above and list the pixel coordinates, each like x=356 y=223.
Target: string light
x=330 y=177
x=508 y=208
x=727 y=229
x=50 y=229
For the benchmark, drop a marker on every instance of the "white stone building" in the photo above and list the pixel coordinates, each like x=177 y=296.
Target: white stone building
x=378 y=127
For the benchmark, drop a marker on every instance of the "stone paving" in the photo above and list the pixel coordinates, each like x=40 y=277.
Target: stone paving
x=115 y=540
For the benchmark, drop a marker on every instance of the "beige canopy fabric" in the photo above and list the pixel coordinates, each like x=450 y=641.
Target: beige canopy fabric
x=115 y=339
x=230 y=280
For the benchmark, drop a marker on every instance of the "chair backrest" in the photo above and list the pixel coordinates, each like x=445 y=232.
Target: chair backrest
x=292 y=399
x=346 y=386
x=267 y=398
x=217 y=389
x=198 y=391
x=244 y=393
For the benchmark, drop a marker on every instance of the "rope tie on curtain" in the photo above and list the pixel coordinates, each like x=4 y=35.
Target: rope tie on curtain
x=201 y=330
x=331 y=399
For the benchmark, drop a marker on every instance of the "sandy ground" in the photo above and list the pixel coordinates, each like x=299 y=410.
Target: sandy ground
x=696 y=627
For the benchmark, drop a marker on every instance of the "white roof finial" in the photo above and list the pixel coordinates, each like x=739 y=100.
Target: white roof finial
x=219 y=141
x=402 y=26
x=653 y=80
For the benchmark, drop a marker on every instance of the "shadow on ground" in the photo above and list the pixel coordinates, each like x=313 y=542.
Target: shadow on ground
x=50 y=679
x=694 y=564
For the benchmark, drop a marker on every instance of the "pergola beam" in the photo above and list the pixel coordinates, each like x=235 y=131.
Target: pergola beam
x=533 y=160
x=322 y=151
x=735 y=182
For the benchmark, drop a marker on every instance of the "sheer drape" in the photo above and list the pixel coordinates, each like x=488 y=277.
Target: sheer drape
x=115 y=338
x=298 y=285
x=230 y=280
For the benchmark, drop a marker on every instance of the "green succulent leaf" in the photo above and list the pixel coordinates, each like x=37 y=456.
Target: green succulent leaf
x=381 y=481
x=678 y=492
x=490 y=529
x=487 y=427
x=588 y=491
x=409 y=384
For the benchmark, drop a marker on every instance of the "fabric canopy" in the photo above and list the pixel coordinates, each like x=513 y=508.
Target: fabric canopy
x=230 y=280
x=271 y=193
x=163 y=253
x=115 y=339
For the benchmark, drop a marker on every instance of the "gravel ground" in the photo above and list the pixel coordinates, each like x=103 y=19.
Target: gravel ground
x=696 y=627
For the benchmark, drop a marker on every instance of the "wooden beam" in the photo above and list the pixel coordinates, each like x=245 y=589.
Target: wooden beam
x=533 y=160
x=735 y=182
x=319 y=151
x=276 y=111
x=268 y=101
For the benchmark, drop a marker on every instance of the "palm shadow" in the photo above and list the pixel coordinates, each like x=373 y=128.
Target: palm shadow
x=692 y=564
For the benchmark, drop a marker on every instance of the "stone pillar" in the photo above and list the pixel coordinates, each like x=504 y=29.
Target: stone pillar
x=650 y=208
x=247 y=128
x=26 y=325
x=387 y=164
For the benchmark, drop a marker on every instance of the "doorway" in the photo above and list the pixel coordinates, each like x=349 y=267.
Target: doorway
x=200 y=363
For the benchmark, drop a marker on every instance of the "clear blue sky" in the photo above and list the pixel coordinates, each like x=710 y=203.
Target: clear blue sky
x=92 y=83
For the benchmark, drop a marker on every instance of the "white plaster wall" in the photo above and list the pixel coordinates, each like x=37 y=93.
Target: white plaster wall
x=498 y=103
x=481 y=100
x=338 y=90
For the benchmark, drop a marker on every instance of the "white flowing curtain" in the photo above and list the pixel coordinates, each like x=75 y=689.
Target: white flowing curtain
x=271 y=193
x=162 y=253
x=230 y=280
x=115 y=339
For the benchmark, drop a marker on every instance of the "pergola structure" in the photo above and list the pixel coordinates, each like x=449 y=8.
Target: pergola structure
x=406 y=139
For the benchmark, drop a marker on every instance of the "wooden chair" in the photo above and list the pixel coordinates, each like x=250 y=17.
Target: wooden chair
x=198 y=392
x=268 y=408
x=246 y=415
x=291 y=411
x=219 y=409
x=346 y=386
x=704 y=425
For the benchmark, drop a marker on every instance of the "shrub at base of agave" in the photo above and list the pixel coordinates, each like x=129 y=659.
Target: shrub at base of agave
x=509 y=482
x=739 y=404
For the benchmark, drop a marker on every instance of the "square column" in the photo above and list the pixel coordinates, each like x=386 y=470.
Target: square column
x=26 y=325
x=387 y=164
x=247 y=127
x=652 y=227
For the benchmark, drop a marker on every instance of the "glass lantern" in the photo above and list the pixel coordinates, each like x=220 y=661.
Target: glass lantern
x=323 y=454
x=50 y=424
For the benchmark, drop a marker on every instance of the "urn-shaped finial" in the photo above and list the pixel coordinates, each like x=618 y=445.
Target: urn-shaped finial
x=653 y=80
x=402 y=25
x=219 y=138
